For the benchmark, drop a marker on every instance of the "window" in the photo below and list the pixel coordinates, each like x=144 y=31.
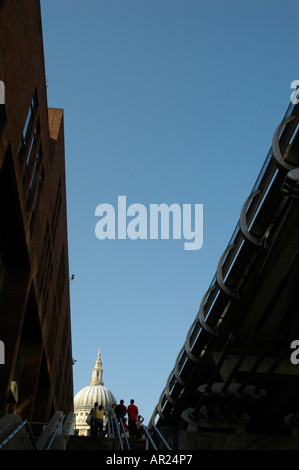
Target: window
x=36 y=197
x=45 y=267
x=34 y=179
x=61 y=278
x=32 y=156
x=33 y=144
x=28 y=125
x=55 y=216
x=52 y=333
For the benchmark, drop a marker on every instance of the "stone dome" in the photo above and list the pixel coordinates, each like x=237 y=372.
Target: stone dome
x=94 y=393
x=85 y=399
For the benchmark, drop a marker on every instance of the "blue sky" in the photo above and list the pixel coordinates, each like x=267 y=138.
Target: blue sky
x=165 y=101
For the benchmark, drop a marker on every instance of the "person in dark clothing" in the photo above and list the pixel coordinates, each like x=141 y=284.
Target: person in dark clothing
x=120 y=411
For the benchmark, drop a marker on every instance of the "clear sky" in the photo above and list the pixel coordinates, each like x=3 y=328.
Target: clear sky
x=165 y=101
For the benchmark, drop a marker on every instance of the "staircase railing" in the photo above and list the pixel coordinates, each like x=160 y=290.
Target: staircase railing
x=118 y=440
x=117 y=435
x=23 y=426
x=154 y=439
x=18 y=434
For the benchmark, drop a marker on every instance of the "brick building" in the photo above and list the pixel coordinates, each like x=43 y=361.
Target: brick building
x=35 y=328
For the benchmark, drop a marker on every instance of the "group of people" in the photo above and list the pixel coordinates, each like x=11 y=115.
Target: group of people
x=119 y=412
x=133 y=428
x=96 y=421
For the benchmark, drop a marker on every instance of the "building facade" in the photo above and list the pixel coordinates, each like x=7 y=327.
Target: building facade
x=35 y=328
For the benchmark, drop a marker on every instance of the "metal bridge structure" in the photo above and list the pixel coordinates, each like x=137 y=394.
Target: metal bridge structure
x=233 y=380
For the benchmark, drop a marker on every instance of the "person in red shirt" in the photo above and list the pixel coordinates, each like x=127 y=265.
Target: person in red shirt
x=132 y=415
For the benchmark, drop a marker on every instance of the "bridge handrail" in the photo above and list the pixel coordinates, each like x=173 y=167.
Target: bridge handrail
x=149 y=439
x=69 y=421
x=161 y=439
x=25 y=424
x=115 y=431
x=125 y=434
x=118 y=441
x=46 y=439
x=55 y=433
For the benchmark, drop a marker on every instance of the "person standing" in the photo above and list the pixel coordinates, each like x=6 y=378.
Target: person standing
x=120 y=411
x=92 y=424
x=132 y=415
x=140 y=420
x=98 y=418
x=110 y=420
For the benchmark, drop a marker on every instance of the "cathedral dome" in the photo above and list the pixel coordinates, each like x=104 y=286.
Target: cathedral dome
x=94 y=392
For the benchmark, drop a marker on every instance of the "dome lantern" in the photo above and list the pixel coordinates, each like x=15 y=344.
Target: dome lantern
x=97 y=372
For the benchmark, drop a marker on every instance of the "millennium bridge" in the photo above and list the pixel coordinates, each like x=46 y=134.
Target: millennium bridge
x=234 y=384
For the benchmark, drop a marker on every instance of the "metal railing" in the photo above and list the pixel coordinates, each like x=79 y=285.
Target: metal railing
x=14 y=433
x=41 y=436
x=154 y=439
x=117 y=436
x=55 y=433
x=118 y=439
x=67 y=428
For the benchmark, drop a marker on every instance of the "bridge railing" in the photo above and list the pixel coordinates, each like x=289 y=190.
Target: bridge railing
x=117 y=436
x=20 y=437
x=18 y=434
x=154 y=439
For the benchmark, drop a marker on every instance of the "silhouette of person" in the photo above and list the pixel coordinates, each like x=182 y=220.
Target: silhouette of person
x=120 y=411
x=98 y=420
x=140 y=420
x=132 y=415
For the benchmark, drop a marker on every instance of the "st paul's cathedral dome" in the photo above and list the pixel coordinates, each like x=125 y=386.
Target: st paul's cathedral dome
x=85 y=399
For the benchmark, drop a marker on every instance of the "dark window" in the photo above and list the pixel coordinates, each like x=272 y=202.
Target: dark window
x=61 y=278
x=52 y=333
x=33 y=154
x=36 y=197
x=55 y=216
x=45 y=267
x=28 y=125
